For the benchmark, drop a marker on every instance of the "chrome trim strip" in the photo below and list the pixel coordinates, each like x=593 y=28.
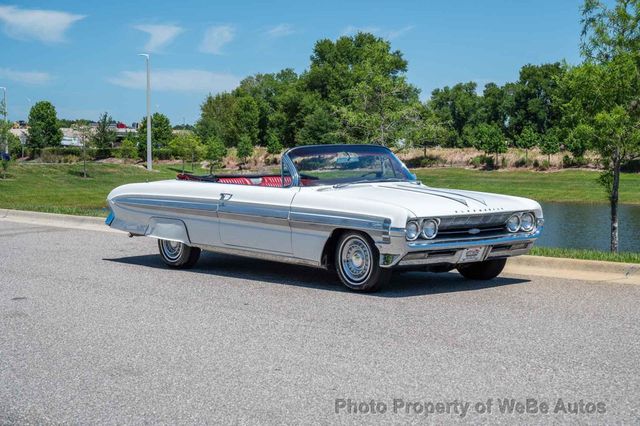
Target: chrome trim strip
x=187 y=205
x=479 y=200
x=295 y=176
x=473 y=242
x=254 y=254
x=401 y=188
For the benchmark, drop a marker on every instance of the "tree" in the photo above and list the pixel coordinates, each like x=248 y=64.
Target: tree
x=216 y=119
x=426 y=130
x=215 y=153
x=580 y=139
x=533 y=95
x=161 y=133
x=274 y=147
x=607 y=32
x=43 y=127
x=244 y=149
x=490 y=139
x=83 y=130
x=245 y=120
x=104 y=137
x=187 y=146
x=320 y=127
x=528 y=139
x=604 y=90
x=457 y=106
x=128 y=149
x=618 y=140
x=549 y=145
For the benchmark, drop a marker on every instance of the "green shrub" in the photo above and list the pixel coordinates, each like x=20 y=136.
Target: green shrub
x=568 y=162
x=523 y=162
x=545 y=165
x=432 y=161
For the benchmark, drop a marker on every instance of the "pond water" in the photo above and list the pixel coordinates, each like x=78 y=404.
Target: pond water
x=587 y=226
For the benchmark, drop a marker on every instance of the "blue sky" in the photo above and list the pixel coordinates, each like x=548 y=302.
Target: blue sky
x=82 y=55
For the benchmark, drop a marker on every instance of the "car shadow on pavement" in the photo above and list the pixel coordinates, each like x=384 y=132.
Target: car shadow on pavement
x=403 y=284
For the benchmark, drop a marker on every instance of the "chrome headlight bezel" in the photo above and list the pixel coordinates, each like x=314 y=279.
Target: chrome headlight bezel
x=515 y=229
x=417 y=230
x=532 y=225
x=423 y=233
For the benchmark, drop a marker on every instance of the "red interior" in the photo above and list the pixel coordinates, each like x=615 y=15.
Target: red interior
x=269 y=180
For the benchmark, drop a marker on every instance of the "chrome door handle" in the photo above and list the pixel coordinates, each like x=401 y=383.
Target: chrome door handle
x=224 y=196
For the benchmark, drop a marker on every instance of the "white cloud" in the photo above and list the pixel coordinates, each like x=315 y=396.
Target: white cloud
x=43 y=25
x=281 y=30
x=216 y=37
x=27 y=77
x=159 y=35
x=178 y=80
x=389 y=34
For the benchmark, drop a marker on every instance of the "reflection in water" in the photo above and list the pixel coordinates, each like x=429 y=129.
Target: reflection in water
x=587 y=226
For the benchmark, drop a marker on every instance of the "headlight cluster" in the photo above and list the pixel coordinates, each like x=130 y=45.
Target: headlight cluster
x=427 y=229
x=521 y=222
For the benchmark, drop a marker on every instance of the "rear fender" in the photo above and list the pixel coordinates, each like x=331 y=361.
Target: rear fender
x=168 y=229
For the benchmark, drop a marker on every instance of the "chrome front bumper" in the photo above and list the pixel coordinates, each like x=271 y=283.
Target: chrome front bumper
x=450 y=251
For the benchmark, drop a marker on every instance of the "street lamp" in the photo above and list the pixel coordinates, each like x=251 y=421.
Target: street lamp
x=4 y=111
x=146 y=56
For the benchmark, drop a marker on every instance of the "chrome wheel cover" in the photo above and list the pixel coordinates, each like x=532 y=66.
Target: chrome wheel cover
x=172 y=250
x=356 y=260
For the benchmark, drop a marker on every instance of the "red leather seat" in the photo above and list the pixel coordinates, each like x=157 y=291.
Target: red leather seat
x=235 y=180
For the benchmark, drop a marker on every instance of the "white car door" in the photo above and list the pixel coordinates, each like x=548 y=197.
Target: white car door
x=256 y=217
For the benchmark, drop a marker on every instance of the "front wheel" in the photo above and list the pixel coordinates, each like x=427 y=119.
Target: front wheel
x=178 y=255
x=482 y=270
x=357 y=263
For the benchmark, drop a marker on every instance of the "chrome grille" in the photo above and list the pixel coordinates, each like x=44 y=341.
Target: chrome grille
x=480 y=221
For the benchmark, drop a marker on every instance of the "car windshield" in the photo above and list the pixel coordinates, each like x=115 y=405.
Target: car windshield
x=346 y=164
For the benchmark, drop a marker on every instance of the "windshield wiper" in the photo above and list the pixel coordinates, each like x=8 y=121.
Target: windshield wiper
x=342 y=185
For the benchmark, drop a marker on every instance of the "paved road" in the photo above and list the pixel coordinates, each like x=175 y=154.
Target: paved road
x=93 y=329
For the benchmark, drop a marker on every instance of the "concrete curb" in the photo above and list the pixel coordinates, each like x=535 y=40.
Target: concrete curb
x=586 y=270
x=56 y=220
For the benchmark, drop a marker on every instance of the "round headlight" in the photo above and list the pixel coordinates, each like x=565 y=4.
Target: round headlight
x=412 y=231
x=429 y=229
x=513 y=224
x=527 y=222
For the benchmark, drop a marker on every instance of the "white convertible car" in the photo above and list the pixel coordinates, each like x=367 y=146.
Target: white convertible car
x=353 y=208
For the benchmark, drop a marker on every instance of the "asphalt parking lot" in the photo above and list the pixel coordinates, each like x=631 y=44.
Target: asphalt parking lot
x=94 y=329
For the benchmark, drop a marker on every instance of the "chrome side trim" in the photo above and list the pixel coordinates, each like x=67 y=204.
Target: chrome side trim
x=251 y=212
x=197 y=207
x=255 y=254
x=317 y=219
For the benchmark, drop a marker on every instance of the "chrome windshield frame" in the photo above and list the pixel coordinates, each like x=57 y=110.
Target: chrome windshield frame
x=295 y=175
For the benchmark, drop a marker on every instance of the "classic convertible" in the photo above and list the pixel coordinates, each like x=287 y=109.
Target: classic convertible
x=353 y=208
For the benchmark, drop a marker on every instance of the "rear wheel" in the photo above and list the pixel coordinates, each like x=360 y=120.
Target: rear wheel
x=482 y=270
x=178 y=255
x=357 y=263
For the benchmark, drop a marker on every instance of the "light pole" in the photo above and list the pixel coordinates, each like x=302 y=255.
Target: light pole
x=4 y=111
x=149 y=160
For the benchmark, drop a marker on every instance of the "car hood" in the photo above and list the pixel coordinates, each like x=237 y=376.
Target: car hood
x=422 y=200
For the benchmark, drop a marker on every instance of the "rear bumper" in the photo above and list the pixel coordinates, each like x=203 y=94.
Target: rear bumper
x=450 y=251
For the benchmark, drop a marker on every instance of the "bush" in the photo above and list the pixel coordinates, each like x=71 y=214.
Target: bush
x=432 y=161
x=536 y=164
x=503 y=163
x=485 y=161
x=568 y=162
x=632 y=166
x=545 y=165
x=523 y=162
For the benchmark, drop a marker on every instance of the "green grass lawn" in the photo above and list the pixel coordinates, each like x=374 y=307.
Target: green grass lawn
x=60 y=188
x=566 y=185
x=624 y=257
